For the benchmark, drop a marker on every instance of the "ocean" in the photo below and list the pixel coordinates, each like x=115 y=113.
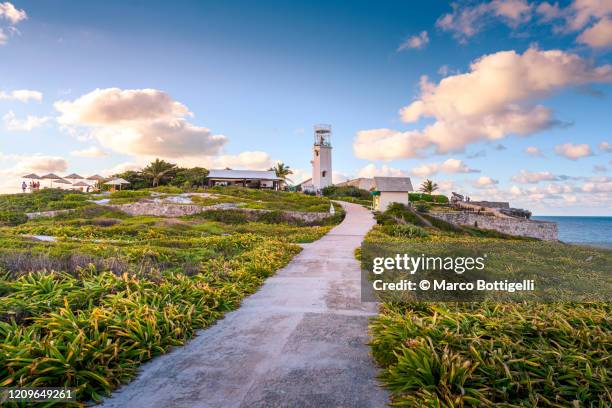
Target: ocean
x=596 y=231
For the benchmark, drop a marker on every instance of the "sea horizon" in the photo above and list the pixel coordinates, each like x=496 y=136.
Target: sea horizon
x=592 y=230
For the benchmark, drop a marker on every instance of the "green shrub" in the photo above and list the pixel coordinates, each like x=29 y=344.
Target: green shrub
x=166 y=189
x=130 y=194
x=11 y=218
x=474 y=355
x=420 y=197
x=345 y=191
x=422 y=207
x=395 y=212
x=440 y=199
x=226 y=216
x=404 y=231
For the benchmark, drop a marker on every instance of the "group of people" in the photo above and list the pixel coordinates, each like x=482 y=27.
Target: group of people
x=34 y=186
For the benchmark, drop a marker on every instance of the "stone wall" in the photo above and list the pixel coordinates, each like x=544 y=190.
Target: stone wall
x=512 y=226
x=491 y=204
x=177 y=210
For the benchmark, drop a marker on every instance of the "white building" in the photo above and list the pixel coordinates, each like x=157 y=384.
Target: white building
x=244 y=178
x=321 y=160
x=389 y=190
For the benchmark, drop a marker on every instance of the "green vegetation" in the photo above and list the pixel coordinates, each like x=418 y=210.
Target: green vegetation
x=491 y=353
x=116 y=290
x=350 y=194
x=495 y=354
x=275 y=200
x=429 y=198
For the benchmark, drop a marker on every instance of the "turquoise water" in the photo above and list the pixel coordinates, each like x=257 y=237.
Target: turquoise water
x=583 y=230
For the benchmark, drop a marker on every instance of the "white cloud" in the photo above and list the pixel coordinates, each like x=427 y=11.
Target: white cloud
x=534 y=151
x=20 y=165
x=140 y=122
x=12 y=16
x=415 y=42
x=255 y=160
x=9 y=12
x=121 y=168
x=573 y=151
x=465 y=22
x=484 y=182
x=605 y=147
x=495 y=99
x=527 y=177
x=339 y=177
x=450 y=166
x=599 y=35
x=12 y=123
x=388 y=144
x=90 y=152
x=22 y=95
x=371 y=170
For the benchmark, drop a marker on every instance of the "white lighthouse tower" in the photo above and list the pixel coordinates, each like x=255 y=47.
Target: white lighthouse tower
x=322 y=157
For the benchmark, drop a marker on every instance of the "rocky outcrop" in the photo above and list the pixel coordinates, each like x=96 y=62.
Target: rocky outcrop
x=40 y=214
x=512 y=226
x=159 y=209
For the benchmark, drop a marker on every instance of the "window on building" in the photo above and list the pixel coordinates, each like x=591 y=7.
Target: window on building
x=316 y=153
x=323 y=173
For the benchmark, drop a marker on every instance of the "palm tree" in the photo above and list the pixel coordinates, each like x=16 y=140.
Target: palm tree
x=157 y=170
x=428 y=186
x=282 y=171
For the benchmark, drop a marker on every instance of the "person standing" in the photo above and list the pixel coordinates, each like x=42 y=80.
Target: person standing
x=24 y=186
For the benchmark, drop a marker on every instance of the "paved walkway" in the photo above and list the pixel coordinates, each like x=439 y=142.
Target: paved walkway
x=300 y=341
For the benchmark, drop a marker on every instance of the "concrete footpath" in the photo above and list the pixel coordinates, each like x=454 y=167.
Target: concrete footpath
x=300 y=341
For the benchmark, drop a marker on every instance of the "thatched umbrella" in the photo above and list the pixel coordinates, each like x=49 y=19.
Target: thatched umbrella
x=73 y=176
x=97 y=178
x=51 y=177
x=62 y=181
x=81 y=184
x=31 y=176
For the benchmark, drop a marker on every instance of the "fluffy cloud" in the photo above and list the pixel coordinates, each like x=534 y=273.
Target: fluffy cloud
x=415 y=42
x=573 y=151
x=16 y=166
x=450 y=166
x=10 y=14
x=139 y=122
x=388 y=144
x=22 y=95
x=492 y=101
x=255 y=160
x=527 y=177
x=534 y=151
x=605 y=147
x=599 y=35
x=12 y=123
x=90 y=152
x=484 y=182
x=465 y=22
x=371 y=170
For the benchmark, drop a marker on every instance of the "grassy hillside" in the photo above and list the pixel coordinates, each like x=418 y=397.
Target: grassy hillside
x=473 y=354
x=114 y=290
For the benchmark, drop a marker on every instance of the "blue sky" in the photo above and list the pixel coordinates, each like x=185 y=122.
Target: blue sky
x=262 y=74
